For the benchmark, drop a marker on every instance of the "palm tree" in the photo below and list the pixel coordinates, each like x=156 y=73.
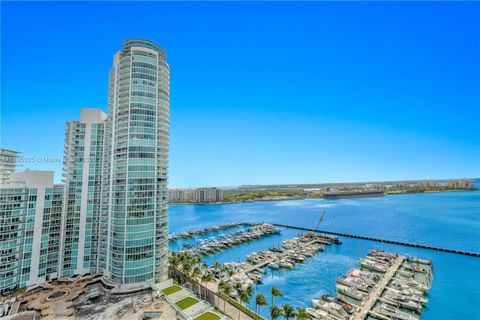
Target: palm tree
x=221 y=284
x=302 y=314
x=203 y=279
x=224 y=270
x=275 y=312
x=183 y=256
x=249 y=292
x=226 y=288
x=288 y=311
x=206 y=278
x=174 y=262
x=216 y=266
x=204 y=265
x=238 y=286
x=196 y=260
x=197 y=272
x=275 y=292
x=244 y=297
x=210 y=277
x=260 y=301
x=196 y=275
x=186 y=267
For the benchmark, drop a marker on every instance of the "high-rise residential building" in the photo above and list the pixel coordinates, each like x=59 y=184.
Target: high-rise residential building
x=177 y=195
x=116 y=173
x=207 y=195
x=461 y=183
x=83 y=159
x=8 y=163
x=133 y=238
x=30 y=226
x=110 y=217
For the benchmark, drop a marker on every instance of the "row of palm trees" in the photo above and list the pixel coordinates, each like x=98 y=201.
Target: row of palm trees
x=286 y=310
x=192 y=267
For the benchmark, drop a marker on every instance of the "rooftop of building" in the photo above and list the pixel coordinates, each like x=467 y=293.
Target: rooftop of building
x=140 y=42
x=4 y=151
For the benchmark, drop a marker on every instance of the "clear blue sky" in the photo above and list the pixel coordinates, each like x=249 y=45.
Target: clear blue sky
x=262 y=92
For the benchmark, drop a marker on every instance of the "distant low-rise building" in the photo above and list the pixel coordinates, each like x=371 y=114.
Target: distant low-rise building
x=374 y=186
x=452 y=183
x=429 y=184
x=207 y=195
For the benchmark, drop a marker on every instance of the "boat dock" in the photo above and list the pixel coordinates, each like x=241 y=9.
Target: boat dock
x=368 y=305
x=259 y=266
x=384 y=286
x=416 y=245
x=226 y=226
x=223 y=242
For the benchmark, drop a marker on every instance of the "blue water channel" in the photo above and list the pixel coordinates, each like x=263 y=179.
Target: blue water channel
x=450 y=219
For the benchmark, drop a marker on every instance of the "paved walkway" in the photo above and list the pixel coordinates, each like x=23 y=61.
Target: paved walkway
x=230 y=310
x=376 y=293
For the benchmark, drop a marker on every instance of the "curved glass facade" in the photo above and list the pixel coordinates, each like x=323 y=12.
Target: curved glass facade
x=111 y=215
x=136 y=165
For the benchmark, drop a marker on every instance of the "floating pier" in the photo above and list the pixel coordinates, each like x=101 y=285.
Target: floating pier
x=192 y=233
x=223 y=242
x=385 y=286
x=367 y=307
x=416 y=245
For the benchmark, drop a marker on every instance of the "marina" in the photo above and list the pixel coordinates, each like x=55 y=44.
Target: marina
x=226 y=226
x=222 y=242
x=389 y=286
x=291 y=252
x=408 y=218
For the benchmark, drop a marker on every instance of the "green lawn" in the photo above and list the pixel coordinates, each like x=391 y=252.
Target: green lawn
x=208 y=316
x=186 y=303
x=168 y=291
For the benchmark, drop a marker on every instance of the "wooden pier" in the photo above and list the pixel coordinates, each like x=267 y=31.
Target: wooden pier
x=416 y=245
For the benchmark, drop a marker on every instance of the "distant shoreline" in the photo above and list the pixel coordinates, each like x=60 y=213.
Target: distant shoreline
x=306 y=198
x=430 y=191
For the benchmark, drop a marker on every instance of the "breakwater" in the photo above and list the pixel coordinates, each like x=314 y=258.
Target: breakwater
x=401 y=243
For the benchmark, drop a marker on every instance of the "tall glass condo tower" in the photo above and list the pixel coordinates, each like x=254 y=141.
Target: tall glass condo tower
x=116 y=166
x=133 y=239
x=110 y=217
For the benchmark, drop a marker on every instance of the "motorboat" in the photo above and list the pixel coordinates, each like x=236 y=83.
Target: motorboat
x=350 y=292
x=402 y=302
x=394 y=313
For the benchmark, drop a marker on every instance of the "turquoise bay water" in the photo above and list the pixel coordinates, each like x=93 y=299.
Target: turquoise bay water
x=450 y=220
